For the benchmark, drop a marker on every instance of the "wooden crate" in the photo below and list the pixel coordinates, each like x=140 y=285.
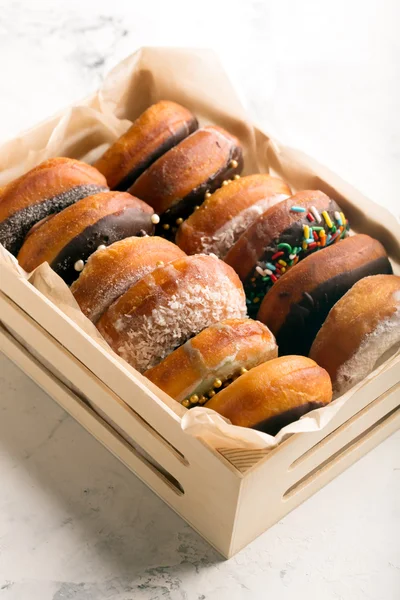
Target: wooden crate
x=229 y=496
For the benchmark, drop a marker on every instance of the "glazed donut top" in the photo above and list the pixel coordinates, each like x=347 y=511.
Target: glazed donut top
x=167 y=306
x=110 y=272
x=205 y=363
x=227 y=213
x=190 y=168
x=44 y=190
x=275 y=393
x=363 y=324
x=60 y=235
x=158 y=129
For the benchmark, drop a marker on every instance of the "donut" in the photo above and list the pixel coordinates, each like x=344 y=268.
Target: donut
x=212 y=359
x=157 y=130
x=109 y=272
x=168 y=306
x=67 y=239
x=228 y=212
x=281 y=237
x=360 y=328
x=180 y=180
x=274 y=394
x=297 y=305
x=46 y=189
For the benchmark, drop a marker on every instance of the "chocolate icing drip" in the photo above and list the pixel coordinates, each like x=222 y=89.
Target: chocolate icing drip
x=107 y=230
x=14 y=229
x=306 y=317
x=174 y=139
x=273 y=425
x=293 y=236
x=183 y=208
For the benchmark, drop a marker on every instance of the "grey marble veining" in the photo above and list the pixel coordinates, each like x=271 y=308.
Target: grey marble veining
x=74 y=523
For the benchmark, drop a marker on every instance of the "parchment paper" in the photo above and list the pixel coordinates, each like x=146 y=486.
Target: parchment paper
x=195 y=79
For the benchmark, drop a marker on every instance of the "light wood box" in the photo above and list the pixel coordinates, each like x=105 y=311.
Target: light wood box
x=229 y=496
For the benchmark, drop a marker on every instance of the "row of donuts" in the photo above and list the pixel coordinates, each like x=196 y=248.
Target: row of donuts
x=252 y=222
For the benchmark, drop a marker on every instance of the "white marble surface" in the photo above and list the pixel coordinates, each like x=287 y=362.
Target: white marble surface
x=74 y=523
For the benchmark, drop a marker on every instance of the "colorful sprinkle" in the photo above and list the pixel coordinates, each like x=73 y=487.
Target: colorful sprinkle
x=334 y=229
x=270 y=266
x=344 y=220
x=310 y=217
x=306 y=231
x=277 y=255
x=317 y=228
x=338 y=217
x=273 y=278
x=312 y=246
x=283 y=263
x=316 y=214
x=315 y=236
x=327 y=219
x=283 y=270
x=259 y=270
x=298 y=209
x=304 y=244
x=285 y=246
x=292 y=256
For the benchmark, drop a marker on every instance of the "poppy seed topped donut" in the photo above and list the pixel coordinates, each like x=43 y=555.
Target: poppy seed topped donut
x=108 y=273
x=228 y=212
x=212 y=359
x=297 y=305
x=45 y=190
x=281 y=237
x=180 y=180
x=157 y=130
x=168 y=306
x=274 y=394
x=67 y=239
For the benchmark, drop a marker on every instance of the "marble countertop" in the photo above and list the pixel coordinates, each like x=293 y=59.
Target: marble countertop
x=74 y=523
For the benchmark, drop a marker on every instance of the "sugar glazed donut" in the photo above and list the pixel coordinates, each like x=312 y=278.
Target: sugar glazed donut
x=360 y=328
x=157 y=130
x=46 y=189
x=281 y=237
x=109 y=272
x=168 y=306
x=228 y=212
x=182 y=178
x=274 y=394
x=67 y=239
x=211 y=360
x=297 y=305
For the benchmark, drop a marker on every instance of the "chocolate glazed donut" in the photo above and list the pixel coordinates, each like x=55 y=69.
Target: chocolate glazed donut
x=281 y=237
x=185 y=175
x=297 y=305
x=45 y=190
x=67 y=239
x=157 y=130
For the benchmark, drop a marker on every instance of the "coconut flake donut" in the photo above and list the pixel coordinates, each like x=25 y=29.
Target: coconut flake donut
x=281 y=237
x=168 y=306
x=359 y=329
x=157 y=130
x=180 y=180
x=211 y=360
x=45 y=190
x=109 y=272
x=297 y=305
x=228 y=212
x=274 y=394
x=67 y=239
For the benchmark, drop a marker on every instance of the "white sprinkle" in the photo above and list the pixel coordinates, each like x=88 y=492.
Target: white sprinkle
x=267 y=272
x=101 y=247
x=155 y=219
x=316 y=214
x=78 y=266
x=338 y=217
x=260 y=270
x=292 y=256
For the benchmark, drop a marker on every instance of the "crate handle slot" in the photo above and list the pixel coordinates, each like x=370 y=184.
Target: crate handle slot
x=341 y=428
x=19 y=350
x=334 y=458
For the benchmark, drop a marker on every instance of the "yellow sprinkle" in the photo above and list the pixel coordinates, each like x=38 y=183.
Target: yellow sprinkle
x=327 y=219
x=306 y=231
x=217 y=383
x=186 y=403
x=211 y=393
x=322 y=233
x=243 y=370
x=194 y=399
x=202 y=400
x=160 y=263
x=233 y=164
x=166 y=226
x=283 y=263
x=197 y=207
x=236 y=176
x=256 y=300
x=225 y=182
x=283 y=270
x=304 y=244
x=207 y=195
x=179 y=221
x=343 y=218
